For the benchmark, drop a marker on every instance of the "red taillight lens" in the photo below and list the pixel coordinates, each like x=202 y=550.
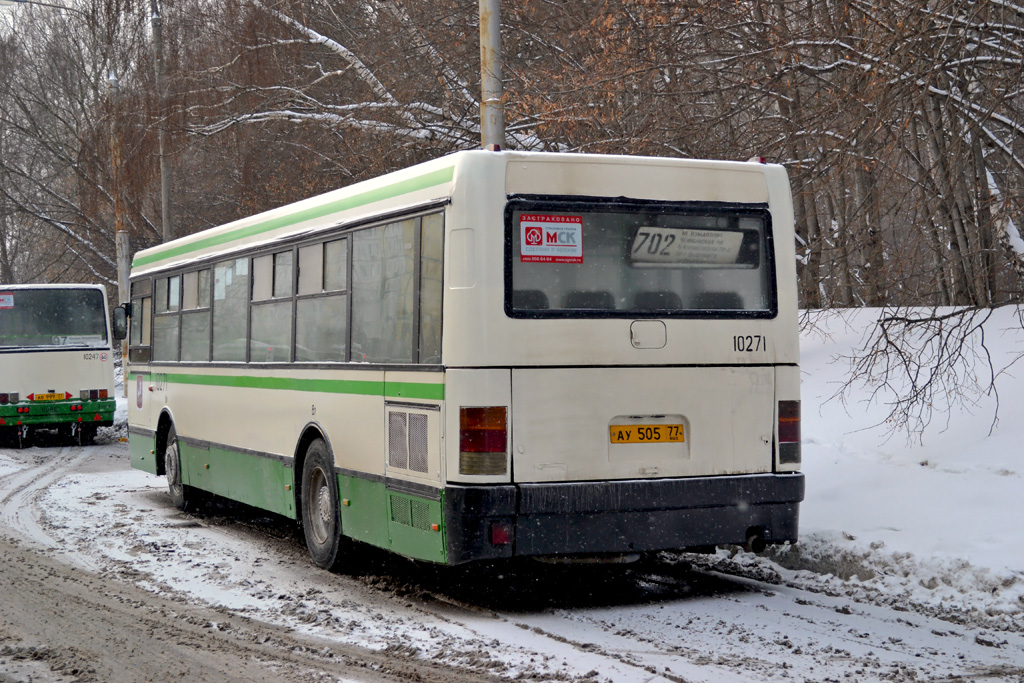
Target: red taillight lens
x=501 y=533
x=4 y=398
x=483 y=440
x=482 y=430
x=789 y=421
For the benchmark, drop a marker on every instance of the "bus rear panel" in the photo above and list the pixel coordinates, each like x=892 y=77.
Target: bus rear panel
x=637 y=358
x=56 y=360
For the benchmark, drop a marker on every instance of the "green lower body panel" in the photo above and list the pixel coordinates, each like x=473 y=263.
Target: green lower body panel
x=57 y=413
x=363 y=503
x=142 y=449
x=262 y=482
x=402 y=523
x=416 y=527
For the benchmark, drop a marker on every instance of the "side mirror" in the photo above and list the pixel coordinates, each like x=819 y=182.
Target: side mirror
x=120 y=322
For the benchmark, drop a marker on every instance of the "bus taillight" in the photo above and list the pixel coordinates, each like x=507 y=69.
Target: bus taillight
x=93 y=394
x=789 y=432
x=501 y=533
x=483 y=440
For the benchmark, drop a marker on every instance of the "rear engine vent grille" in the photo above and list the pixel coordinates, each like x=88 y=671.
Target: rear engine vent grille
x=398 y=440
x=407 y=441
x=418 y=442
x=409 y=512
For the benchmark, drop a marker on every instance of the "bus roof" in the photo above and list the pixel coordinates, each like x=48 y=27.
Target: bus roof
x=52 y=285
x=421 y=185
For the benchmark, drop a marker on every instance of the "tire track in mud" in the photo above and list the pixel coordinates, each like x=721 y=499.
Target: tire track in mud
x=20 y=492
x=87 y=628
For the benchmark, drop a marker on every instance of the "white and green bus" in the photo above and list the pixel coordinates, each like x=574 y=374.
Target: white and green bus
x=490 y=355
x=56 y=361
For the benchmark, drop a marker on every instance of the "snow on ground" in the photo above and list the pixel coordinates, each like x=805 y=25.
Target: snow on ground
x=934 y=517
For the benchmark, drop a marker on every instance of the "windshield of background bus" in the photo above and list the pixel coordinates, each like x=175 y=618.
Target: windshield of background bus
x=52 y=317
x=626 y=262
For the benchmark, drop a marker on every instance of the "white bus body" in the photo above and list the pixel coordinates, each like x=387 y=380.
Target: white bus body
x=501 y=354
x=56 y=360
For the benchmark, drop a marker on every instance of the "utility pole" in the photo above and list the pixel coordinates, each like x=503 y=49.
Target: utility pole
x=121 y=246
x=161 y=129
x=492 y=107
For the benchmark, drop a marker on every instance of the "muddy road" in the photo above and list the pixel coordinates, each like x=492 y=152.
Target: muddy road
x=69 y=618
x=101 y=579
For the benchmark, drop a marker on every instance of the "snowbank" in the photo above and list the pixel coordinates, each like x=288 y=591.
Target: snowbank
x=934 y=517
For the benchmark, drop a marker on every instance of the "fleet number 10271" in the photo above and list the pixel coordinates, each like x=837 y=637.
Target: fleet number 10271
x=749 y=343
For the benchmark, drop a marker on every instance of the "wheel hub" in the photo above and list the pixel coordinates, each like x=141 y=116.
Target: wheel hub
x=324 y=503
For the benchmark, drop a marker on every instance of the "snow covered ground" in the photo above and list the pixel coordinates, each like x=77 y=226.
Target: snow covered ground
x=937 y=517
x=910 y=564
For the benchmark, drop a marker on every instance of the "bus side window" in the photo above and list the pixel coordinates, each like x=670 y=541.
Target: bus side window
x=166 y=322
x=383 y=291
x=431 y=287
x=195 y=316
x=230 y=309
x=140 y=332
x=321 y=312
x=271 y=311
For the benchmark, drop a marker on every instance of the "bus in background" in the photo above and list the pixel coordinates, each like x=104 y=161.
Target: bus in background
x=490 y=355
x=56 y=361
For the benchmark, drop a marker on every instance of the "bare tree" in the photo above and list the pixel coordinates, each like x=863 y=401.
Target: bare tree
x=55 y=118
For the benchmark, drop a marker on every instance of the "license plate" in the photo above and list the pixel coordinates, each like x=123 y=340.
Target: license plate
x=667 y=433
x=48 y=397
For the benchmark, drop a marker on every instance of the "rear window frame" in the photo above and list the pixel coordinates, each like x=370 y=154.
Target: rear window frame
x=562 y=203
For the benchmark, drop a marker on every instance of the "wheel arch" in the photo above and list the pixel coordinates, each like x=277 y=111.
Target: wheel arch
x=310 y=433
x=163 y=427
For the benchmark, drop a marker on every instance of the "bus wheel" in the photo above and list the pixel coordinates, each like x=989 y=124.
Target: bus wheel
x=321 y=522
x=172 y=466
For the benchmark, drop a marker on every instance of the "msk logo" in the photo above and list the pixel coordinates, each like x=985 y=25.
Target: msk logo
x=564 y=238
x=534 y=236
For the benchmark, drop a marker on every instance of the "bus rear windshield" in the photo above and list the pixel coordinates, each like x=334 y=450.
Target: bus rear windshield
x=572 y=259
x=52 y=318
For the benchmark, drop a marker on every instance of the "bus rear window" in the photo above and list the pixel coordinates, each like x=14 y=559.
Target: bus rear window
x=52 y=317
x=620 y=259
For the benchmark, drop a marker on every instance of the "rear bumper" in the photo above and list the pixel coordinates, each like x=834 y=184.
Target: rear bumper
x=620 y=516
x=98 y=413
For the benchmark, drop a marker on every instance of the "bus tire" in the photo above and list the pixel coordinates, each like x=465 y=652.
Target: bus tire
x=172 y=466
x=321 y=518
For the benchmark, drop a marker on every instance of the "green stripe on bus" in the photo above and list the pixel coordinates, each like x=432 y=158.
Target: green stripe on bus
x=329 y=386
x=414 y=390
x=439 y=177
